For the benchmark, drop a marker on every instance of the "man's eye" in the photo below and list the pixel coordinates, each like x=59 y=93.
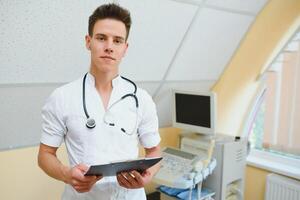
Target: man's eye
x=100 y=38
x=118 y=41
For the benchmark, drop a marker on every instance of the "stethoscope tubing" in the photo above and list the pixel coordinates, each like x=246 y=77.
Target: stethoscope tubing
x=83 y=97
x=91 y=123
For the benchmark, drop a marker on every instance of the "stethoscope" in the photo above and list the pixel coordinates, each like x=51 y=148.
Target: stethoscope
x=91 y=123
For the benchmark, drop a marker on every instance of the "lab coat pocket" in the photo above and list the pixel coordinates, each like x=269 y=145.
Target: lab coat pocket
x=126 y=122
x=125 y=144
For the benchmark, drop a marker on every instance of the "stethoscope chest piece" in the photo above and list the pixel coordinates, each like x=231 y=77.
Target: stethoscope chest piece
x=90 y=123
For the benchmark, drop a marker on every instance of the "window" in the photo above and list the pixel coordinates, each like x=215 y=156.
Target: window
x=275 y=127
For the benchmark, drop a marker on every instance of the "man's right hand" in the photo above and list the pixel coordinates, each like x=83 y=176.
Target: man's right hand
x=80 y=182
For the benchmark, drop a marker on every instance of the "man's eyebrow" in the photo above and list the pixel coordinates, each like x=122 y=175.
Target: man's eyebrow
x=117 y=37
x=120 y=38
x=100 y=34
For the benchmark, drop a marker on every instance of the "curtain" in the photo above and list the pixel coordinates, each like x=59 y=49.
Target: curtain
x=282 y=105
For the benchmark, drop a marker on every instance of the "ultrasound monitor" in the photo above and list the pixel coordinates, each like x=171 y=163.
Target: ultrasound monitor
x=195 y=111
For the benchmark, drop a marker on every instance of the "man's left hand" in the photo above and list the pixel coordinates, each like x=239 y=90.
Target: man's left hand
x=133 y=179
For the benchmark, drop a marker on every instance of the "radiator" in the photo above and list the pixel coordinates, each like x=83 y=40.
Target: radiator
x=282 y=188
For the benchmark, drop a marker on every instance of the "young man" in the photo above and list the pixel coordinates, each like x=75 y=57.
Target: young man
x=95 y=124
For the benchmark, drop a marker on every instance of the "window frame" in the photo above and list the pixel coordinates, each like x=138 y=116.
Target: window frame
x=269 y=161
x=275 y=163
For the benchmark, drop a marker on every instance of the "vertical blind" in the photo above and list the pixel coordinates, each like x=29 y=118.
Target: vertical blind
x=282 y=105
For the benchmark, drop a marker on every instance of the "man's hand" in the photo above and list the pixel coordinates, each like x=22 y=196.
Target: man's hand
x=133 y=179
x=49 y=162
x=80 y=182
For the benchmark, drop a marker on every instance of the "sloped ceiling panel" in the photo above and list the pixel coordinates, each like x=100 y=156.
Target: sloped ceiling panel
x=210 y=44
x=249 y=6
x=158 y=27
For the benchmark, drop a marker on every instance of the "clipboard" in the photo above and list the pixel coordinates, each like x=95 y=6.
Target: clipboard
x=112 y=169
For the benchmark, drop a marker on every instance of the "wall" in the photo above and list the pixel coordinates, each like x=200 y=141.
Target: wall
x=21 y=178
x=255 y=182
x=238 y=83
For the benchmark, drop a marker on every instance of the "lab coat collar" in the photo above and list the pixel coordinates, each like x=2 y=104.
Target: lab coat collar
x=91 y=80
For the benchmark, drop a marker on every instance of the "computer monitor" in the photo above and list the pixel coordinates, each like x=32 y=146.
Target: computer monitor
x=195 y=111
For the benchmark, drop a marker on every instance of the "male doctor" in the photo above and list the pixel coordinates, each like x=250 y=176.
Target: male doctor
x=120 y=125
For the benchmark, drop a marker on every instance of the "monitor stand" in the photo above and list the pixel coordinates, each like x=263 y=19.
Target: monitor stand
x=199 y=144
x=197 y=137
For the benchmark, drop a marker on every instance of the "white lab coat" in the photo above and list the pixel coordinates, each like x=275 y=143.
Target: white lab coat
x=64 y=120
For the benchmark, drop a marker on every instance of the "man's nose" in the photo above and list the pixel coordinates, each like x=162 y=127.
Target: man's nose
x=108 y=50
x=108 y=47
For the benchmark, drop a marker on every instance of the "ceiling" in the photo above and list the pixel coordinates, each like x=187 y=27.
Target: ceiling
x=185 y=40
x=181 y=44
x=170 y=40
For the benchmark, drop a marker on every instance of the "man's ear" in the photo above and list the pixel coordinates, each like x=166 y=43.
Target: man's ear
x=88 y=42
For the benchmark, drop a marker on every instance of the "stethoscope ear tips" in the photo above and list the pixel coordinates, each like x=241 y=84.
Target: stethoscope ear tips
x=90 y=123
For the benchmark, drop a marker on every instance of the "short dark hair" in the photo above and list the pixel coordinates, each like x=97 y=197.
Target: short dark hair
x=111 y=11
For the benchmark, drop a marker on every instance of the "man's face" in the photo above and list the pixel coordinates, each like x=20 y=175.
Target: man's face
x=107 y=45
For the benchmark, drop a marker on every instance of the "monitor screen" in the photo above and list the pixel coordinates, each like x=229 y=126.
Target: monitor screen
x=194 y=111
